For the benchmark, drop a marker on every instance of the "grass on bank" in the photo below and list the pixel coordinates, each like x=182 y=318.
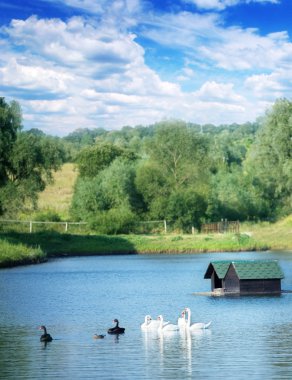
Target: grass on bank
x=277 y=236
x=24 y=248
x=17 y=253
x=53 y=244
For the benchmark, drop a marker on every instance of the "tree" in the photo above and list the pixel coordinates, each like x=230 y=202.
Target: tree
x=27 y=160
x=93 y=159
x=10 y=124
x=187 y=209
x=180 y=152
x=270 y=158
x=234 y=196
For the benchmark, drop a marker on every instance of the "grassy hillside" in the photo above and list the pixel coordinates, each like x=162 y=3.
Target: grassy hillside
x=57 y=197
x=278 y=236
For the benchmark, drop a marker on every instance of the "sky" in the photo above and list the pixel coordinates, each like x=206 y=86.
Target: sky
x=113 y=63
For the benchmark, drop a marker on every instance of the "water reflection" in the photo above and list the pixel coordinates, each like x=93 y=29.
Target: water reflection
x=173 y=351
x=279 y=341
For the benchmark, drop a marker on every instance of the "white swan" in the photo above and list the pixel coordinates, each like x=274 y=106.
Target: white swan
x=181 y=321
x=166 y=327
x=151 y=324
x=195 y=326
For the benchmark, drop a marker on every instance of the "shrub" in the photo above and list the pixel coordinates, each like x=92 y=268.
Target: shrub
x=114 y=221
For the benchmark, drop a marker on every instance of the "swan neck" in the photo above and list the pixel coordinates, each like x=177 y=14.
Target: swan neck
x=189 y=317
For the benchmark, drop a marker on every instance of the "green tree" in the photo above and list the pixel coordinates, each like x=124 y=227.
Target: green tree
x=27 y=161
x=234 y=196
x=187 y=209
x=10 y=124
x=270 y=158
x=180 y=152
x=113 y=188
x=92 y=160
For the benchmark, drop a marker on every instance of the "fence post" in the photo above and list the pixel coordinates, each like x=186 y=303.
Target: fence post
x=165 y=226
x=193 y=230
x=30 y=227
x=66 y=226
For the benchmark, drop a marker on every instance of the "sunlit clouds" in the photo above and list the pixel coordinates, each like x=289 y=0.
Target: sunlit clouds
x=119 y=63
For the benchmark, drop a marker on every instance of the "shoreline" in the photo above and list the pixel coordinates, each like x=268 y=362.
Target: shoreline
x=38 y=248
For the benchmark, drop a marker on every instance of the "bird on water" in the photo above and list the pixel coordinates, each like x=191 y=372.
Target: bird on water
x=45 y=337
x=117 y=329
x=98 y=336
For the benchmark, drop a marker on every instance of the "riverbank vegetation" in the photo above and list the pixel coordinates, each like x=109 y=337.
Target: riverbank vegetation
x=16 y=253
x=17 y=248
x=57 y=245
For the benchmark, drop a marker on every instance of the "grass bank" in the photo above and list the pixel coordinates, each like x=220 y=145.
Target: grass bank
x=17 y=253
x=278 y=236
x=23 y=248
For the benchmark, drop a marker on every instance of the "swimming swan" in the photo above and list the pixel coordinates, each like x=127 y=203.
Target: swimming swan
x=117 y=329
x=45 y=337
x=166 y=327
x=151 y=324
x=195 y=326
x=181 y=321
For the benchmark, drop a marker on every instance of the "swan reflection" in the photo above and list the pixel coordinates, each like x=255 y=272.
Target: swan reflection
x=177 y=349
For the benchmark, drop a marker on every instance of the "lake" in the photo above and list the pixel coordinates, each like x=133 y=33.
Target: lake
x=250 y=336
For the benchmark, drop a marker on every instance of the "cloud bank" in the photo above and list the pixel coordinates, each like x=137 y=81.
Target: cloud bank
x=131 y=64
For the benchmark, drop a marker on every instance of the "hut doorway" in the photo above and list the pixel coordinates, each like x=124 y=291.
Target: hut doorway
x=216 y=282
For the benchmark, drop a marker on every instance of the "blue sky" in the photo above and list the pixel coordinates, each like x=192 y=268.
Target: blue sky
x=110 y=63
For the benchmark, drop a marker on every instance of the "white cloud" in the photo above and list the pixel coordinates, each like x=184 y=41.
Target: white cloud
x=86 y=72
x=203 y=38
x=222 y=4
x=219 y=92
x=270 y=86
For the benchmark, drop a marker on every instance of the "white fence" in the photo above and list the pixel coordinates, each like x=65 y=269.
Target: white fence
x=33 y=225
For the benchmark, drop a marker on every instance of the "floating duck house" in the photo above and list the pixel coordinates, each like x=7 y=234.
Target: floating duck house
x=245 y=277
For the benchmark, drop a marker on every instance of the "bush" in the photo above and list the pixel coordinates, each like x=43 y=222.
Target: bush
x=47 y=216
x=115 y=221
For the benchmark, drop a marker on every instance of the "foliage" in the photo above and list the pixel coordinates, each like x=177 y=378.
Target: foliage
x=47 y=216
x=115 y=221
x=10 y=124
x=187 y=209
x=27 y=161
x=181 y=172
x=93 y=159
x=16 y=253
x=270 y=158
x=234 y=197
x=113 y=188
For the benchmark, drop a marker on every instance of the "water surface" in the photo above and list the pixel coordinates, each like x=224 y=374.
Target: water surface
x=250 y=337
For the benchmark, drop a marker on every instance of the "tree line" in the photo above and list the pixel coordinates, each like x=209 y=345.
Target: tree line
x=181 y=172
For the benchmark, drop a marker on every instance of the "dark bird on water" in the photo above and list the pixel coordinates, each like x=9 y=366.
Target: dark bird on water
x=117 y=329
x=98 y=336
x=45 y=337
